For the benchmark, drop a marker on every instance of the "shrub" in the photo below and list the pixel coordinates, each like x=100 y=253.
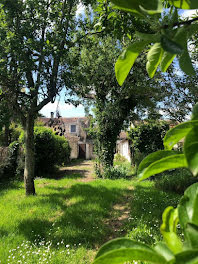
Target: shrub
x=50 y=149
x=116 y=172
x=9 y=165
x=119 y=158
x=146 y=138
x=175 y=181
x=62 y=150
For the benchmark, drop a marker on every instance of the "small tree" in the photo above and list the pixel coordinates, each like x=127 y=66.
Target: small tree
x=112 y=104
x=35 y=39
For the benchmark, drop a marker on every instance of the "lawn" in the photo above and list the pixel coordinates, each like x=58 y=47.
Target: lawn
x=73 y=215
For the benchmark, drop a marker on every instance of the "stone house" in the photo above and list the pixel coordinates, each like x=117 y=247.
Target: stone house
x=74 y=129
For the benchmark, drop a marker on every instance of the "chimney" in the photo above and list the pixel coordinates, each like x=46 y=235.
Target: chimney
x=52 y=115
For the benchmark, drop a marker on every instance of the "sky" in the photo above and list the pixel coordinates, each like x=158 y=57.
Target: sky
x=66 y=110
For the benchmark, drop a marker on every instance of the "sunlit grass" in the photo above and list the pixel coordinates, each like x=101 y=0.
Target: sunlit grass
x=68 y=220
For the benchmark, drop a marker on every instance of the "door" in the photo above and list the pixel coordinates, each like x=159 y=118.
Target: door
x=82 y=151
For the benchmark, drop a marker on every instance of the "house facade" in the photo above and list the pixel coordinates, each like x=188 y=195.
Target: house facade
x=74 y=129
x=123 y=146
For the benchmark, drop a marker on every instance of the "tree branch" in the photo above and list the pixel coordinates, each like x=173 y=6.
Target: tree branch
x=177 y=24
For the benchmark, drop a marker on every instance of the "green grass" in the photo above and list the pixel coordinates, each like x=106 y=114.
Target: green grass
x=68 y=220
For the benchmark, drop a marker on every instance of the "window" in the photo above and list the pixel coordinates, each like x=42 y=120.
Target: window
x=73 y=129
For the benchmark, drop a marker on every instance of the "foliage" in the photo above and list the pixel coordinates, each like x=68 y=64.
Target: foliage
x=9 y=166
x=172 y=38
x=97 y=83
x=35 y=40
x=168 y=159
x=175 y=181
x=118 y=158
x=50 y=149
x=62 y=150
x=169 y=38
x=115 y=172
x=146 y=138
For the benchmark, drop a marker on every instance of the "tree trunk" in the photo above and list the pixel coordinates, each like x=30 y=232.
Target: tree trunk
x=6 y=135
x=29 y=156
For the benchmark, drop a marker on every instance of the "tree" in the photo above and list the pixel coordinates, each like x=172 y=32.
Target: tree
x=35 y=39
x=113 y=104
x=164 y=51
x=5 y=120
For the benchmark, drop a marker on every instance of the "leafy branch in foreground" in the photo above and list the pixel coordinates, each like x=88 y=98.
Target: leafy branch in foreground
x=166 y=42
x=172 y=249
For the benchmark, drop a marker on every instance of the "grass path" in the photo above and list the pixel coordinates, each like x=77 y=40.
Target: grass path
x=73 y=214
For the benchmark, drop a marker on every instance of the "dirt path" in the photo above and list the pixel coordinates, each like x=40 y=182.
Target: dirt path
x=120 y=211
x=85 y=168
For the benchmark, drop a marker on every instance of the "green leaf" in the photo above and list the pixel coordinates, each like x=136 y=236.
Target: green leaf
x=188 y=207
x=166 y=61
x=187 y=257
x=153 y=157
x=160 y=161
x=184 y=4
x=170 y=45
x=192 y=29
x=130 y=6
x=168 y=57
x=139 y=6
x=151 y=7
x=163 y=250
x=185 y=63
x=195 y=112
x=126 y=60
x=154 y=57
x=152 y=38
x=174 y=135
x=168 y=229
x=121 y=250
x=191 y=235
x=47 y=42
x=191 y=150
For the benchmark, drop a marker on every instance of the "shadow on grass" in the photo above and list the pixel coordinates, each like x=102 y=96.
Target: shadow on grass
x=9 y=184
x=146 y=210
x=81 y=214
x=67 y=174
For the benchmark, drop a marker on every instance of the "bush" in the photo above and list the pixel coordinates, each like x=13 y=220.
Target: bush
x=62 y=150
x=175 y=181
x=116 y=172
x=119 y=158
x=146 y=138
x=50 y=150
x=9 y=165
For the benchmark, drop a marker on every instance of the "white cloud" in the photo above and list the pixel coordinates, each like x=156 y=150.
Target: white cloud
x=189 y=13
x=66 y=110
x=80 y=9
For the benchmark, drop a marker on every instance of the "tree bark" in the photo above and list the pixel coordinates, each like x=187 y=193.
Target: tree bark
x=29 y=156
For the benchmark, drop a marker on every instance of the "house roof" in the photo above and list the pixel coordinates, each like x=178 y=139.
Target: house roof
x=63 y=119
